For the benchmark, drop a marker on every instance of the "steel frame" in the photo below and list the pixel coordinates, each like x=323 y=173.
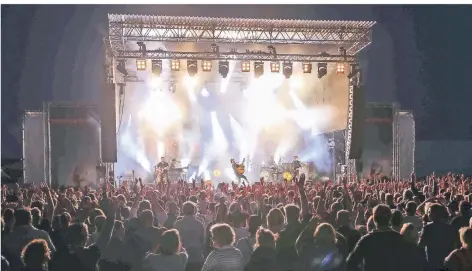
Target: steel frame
x=352 y=35
x=408 y=114
x=23 y=128
x=395 y=137
x=248 y=56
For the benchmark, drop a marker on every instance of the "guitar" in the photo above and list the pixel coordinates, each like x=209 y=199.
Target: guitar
x=161 y=172
x=239 y=168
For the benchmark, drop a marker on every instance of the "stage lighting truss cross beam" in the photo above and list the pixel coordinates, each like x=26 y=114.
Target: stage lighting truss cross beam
x=246 y=56
x=352 y=35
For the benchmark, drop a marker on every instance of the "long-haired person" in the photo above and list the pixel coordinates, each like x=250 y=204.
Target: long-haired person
x=167 y=254
x=275 y=220
x=264 y=255
x=225 y=256
x=325 y=253
x=35 y=255
x=461 y=259
x=411 y=236
x=246 y=245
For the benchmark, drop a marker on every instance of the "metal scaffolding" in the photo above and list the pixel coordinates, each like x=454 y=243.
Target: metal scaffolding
x=249 y=56
x=352 y=35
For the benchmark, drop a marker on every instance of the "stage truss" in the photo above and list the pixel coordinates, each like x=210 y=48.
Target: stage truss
x=352 y=35
x=347 y=38
x=126 y=30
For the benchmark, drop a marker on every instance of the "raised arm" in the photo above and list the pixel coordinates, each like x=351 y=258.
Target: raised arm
x=110 y=207
x=303 y=199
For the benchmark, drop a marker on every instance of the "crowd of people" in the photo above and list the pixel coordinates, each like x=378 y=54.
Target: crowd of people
x=371 y=224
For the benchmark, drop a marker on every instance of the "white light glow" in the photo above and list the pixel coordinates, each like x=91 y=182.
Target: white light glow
x=160 y=111
x=230 y=173
x=205 y=92
x=295 y=82
x=190 y=82
x=220 y=143
x=155 y=83
x=161 y=149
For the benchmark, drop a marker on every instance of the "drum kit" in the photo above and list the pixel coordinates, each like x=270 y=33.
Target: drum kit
x=278 y=172
x=176 y=174
x=271 y=173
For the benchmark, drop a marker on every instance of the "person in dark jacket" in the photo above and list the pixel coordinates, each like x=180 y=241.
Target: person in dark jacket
x=264 y=255
x=325 y=253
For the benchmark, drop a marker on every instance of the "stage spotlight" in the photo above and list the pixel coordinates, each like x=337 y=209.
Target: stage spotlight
x=192 y=67
x=258 y=69
x=141 y=64
x=245 y=66
x=322 y=69
x=121 y=67
x=340 y=68
x=175 y=65
x=206 y=65
x=306 y=66
x=288 y=69
x=223 y=68
x=275 y=66
x=156 y=67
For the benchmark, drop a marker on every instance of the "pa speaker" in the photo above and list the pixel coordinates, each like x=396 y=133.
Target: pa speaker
x=108 y=124
x=358 y=116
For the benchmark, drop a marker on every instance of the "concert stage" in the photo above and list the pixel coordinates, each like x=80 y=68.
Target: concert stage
x=204 y=90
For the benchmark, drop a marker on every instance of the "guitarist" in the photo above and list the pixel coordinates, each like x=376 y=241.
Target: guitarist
x=239 y=170
x=296 y=165
x=162 y=169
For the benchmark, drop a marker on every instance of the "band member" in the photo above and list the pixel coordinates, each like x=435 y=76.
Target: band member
x=238 y=169
x=162 y=170
x=296 y=165
x=173 y=164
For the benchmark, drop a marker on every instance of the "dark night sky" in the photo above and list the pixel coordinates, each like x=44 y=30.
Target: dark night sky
x=420 y=57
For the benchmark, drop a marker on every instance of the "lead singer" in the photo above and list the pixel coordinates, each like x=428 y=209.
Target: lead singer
x=239 y=170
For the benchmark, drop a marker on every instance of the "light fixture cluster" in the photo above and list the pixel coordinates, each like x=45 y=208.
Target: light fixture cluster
x=223 y=67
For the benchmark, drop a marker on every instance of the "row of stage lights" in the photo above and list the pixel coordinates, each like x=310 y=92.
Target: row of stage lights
x=223 y=67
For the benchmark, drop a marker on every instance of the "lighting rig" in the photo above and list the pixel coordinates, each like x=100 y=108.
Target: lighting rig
x=258 y=58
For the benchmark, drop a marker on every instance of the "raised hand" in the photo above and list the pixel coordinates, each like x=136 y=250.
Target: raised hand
x=44 y=187
x=301 y=181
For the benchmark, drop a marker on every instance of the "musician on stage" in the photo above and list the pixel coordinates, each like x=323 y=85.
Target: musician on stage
x=296 y=165
x=162 y=169
x=238 y=169
x=173 y=164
